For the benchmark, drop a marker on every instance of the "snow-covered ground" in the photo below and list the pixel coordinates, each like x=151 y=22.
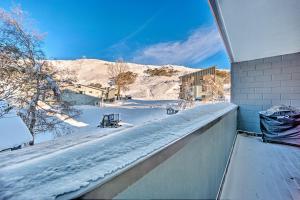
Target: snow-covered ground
x=54 y=168
x=132 y=113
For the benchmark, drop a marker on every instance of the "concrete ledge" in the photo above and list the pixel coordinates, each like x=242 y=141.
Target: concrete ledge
x=119 y=182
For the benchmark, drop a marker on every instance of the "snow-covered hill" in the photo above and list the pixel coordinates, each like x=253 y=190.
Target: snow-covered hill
x=145 y=87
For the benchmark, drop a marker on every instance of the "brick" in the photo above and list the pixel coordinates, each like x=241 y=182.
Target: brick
x=282 y=90
x=277 y=65
x=281 y=77
x=255 y=62
x=243 y=73
x=271 y=96
x=255 y=73
x=294 y=63
x=264 y=84
x=291 y=96
x=253 y=85
x=288 y=63
x=247 y=79
x=273 y=59
x=280 y=102
x=272 y=71
x=266 y=107
x=295 y=103
x=263 y=78
x=290 y=83
x=271 y=84
x=247 y=67
x=242 y=96
x=263 y=90
x=296 y=76
x=255 y=102
x=296 y=89
x=250 y=116
x=291 y=56
x=243 y=64
x=247 y=90
x=291 y=69
x=263 y=66
x=255 y=96
x=251 y=107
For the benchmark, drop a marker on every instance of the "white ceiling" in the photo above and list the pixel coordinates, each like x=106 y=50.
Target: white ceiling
x=255 y=29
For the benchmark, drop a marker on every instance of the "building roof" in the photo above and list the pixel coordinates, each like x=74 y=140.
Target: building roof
x=258 y=28
x=203 y=72
x=92 y=87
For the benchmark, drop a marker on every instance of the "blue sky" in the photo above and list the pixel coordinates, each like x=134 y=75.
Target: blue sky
x=181 y=32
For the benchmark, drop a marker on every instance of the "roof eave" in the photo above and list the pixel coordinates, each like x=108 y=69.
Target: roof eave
x=216 y=13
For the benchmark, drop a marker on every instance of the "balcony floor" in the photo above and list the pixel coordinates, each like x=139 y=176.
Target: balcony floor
x=260 y=170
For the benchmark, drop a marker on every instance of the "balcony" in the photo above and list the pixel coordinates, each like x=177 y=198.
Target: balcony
x=262 y=171
x=195 y=154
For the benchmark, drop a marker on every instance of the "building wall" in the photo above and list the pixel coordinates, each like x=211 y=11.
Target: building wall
x=90 y=91
x=258 y=84
x=79 y=99
x=192 y=83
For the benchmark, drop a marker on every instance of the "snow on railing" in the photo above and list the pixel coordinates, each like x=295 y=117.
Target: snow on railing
x=77 y=168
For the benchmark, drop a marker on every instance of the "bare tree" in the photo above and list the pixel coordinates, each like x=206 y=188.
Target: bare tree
x=4 y=108
x=120 y=76
x=26 y=78
x=214 y=86
x=186 y=91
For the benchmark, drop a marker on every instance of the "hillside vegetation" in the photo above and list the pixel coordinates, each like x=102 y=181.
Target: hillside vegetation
x=163 y=71
x=224 y=76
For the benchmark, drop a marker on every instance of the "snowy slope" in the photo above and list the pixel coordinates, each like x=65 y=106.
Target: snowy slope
x=145 y=87
x=43 y=173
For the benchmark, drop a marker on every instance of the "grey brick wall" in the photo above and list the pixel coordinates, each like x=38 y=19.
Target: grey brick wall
x=258 y=84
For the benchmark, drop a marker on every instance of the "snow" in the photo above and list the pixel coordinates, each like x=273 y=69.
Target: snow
x=13 y=131
x=53 y=85
x=61 y=166
x=145 y=87
x=262 y=171
x=132 y=113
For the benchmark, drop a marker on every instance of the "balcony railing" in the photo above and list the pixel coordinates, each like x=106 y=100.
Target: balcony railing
x=183 y=156
x=191 y=167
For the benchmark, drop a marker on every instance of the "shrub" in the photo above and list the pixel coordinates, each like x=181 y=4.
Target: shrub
x=163 y=71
